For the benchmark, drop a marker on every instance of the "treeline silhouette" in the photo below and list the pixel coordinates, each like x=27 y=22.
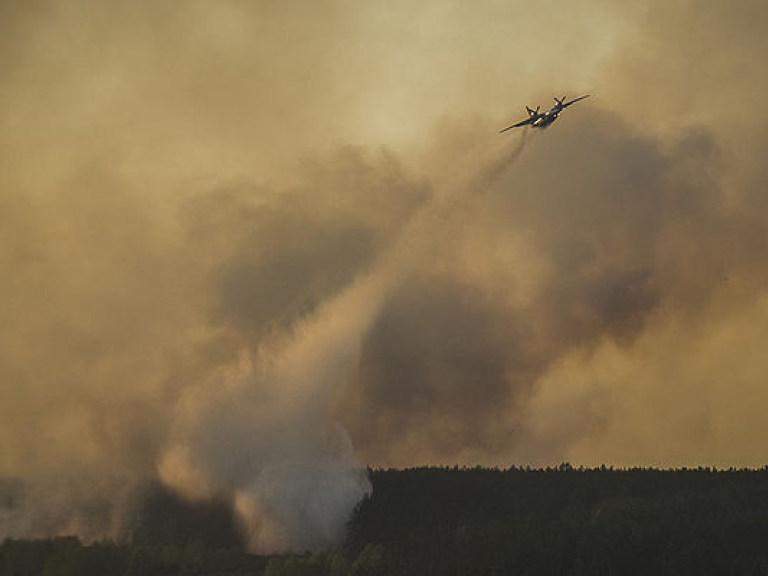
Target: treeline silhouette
x=431 y=521
x=461 y=522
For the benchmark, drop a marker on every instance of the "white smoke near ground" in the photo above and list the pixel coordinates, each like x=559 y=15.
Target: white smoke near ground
x=260 y=442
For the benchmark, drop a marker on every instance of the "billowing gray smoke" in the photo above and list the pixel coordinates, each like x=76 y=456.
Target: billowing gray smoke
x=246 y=412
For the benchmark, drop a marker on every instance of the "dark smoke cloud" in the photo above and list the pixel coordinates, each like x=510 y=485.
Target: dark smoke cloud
x=286 y=256
x=451 y=359
x=438 y=363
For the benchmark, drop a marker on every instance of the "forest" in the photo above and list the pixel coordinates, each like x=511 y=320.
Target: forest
x=460 y=521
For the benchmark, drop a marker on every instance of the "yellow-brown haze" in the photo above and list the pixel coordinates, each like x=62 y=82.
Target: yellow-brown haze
x=208 y=259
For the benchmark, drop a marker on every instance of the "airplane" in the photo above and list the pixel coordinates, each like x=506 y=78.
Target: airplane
x=539 y=120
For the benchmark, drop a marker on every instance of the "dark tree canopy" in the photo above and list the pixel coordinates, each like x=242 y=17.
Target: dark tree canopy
x=461 y=522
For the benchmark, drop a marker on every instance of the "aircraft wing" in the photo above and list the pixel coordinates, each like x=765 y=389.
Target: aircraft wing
x=575 y=100
x=521 y=123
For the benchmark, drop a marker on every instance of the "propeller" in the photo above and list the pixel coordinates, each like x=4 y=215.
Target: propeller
x=532 y=112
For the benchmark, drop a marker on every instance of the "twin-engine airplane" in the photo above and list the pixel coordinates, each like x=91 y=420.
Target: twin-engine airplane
x=542 y=120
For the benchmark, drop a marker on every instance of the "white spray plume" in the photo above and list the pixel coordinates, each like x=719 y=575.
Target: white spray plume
x=261 y=434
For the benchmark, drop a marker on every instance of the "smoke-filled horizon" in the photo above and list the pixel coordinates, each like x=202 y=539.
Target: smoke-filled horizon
x=249 y=249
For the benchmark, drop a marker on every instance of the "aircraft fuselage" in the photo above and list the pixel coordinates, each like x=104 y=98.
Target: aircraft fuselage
x=546 y=119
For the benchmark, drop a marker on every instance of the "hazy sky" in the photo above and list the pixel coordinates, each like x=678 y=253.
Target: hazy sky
x=248 y=247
